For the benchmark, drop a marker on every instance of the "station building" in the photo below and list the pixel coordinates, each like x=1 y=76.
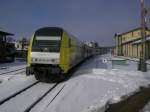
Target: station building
x=21 y=48
x=7 y=48
x=129 y=44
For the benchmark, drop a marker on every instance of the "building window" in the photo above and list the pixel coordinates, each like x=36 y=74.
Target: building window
x=132 y=34
x=139 y=33
x=17 y=46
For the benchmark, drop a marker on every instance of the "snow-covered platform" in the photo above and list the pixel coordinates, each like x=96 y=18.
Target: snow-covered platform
x=91 y=90
x=95 y=84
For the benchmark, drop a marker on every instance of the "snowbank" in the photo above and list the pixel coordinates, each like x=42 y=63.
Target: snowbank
x=91 y=91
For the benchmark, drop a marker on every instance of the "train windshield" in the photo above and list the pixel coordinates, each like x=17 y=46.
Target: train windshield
x=46 y=44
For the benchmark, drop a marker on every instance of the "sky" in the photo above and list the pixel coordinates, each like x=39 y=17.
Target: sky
x=88 y=20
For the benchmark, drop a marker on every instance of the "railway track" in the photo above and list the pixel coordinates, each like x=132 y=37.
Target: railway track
x=16 y=93
x=27 y=98
x=13 y=72
x=39 y=99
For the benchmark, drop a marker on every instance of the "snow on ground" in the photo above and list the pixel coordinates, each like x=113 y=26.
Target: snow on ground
x=17 y=83
x=22 y=101
x=5 y=78
x=42 y=105
x=146 y=108
x=16 y=62
x=9 y=69
x=6 y=67
x=95 y=84
x=11 y=76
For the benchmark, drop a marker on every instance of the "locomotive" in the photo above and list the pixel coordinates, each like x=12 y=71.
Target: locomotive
x=53 y=52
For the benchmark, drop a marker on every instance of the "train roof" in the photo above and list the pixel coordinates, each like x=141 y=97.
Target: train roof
x=5 y=33
x=55 y=31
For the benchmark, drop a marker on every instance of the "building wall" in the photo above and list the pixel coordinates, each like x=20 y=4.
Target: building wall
x=19 y=46
x=129 y=50
x=125 y=46
x=134 y=51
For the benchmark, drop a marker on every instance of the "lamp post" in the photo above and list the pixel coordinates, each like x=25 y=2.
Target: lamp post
x=142 y=62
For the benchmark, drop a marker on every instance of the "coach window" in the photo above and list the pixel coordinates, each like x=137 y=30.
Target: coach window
x=69 y=43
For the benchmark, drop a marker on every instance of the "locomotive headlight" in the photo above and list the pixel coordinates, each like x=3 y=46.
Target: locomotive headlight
x=55 y=60
x=34 y=59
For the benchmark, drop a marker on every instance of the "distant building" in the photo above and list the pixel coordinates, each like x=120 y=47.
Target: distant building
x=21 y=44
x=21 y=48
x=129 y=43
x=91 y=44
x=7 y=48
x=105 y=50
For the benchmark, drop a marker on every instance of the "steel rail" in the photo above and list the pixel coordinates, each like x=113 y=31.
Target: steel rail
x=38 y=100
x=17 y=93
x=11 y=71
